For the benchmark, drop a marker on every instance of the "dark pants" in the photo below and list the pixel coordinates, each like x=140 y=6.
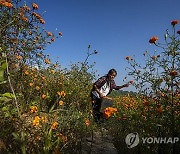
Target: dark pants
x=96 y=107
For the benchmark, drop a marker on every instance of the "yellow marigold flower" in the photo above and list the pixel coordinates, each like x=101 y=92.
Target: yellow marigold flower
x=44 y=119
x=87 y=122
x=36 y=121
x=54 y=125
x=52 y=71
x=33 y=109
x=61 y=103
x=43 y=96
x=37 y=88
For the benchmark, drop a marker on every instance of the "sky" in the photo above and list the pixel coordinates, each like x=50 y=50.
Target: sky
x=115 y=28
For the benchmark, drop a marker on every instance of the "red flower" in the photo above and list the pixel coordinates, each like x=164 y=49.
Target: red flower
x=153 y=39
x=174 y=22
x=178 y=32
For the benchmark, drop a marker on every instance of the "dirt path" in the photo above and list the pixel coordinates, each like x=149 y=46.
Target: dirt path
x=101 y=144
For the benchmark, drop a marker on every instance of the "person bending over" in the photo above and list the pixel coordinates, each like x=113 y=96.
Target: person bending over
x=101 y=88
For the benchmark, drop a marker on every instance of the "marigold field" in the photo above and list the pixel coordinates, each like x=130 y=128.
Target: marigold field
x=45 y=108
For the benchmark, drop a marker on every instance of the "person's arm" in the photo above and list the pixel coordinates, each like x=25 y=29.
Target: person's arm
x=123 y=86
x=97 y=90
x=119 y=87
x=98 y=84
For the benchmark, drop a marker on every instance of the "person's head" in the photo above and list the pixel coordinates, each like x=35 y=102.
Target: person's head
x=112 y=74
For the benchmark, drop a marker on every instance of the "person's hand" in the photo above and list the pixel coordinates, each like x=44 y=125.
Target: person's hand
x=101 y=96
x=131 y=82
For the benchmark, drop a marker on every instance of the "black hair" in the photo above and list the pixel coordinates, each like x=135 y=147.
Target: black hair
x=111 y=71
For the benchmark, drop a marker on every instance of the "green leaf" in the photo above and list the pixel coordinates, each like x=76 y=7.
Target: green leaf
x=4 y=65
x=1 y=75
x=3 y=82
x=4 y=99
x=8 y=95
x=16 y=137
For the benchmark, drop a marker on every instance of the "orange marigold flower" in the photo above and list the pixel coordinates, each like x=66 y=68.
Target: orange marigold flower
x=61 y=103
x=37 y=88
x=35 y=6
x=128 y=57
x=26 y=8
x=46 y=61
x=109 y=111
x=43 y=96
x=26 y=72
x=18 y=57
x=30 y=84
x=24 y=18
x=159 y=109
x=154 y=57
x=53 y=39
x=55 y=65
x=42 y=21
x=36 y=121
x=44 y=119
x=30 y=32
x=33 y=109
x=43 y=78
x=153 y=39
x=7 y=4
x=49 y=34
x=54 y=125
x=87 y=122
x=59 y=93
x=63 y=94
x=174 y=22
x=173 y=73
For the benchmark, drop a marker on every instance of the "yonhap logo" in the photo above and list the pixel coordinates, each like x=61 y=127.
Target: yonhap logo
x=132 y=140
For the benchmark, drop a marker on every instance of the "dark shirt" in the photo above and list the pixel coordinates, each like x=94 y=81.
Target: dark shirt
x=102 y=80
